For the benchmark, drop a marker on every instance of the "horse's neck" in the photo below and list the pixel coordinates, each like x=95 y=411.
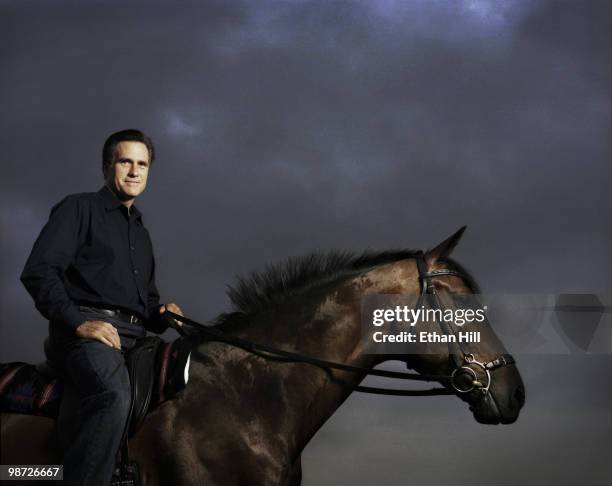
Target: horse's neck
x=298 y=397
x=291 y=401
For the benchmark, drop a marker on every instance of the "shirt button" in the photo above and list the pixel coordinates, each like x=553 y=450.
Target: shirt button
x=132 y=248
x=135 y=272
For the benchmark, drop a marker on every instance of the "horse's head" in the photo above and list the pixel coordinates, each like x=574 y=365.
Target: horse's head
x=482 y=373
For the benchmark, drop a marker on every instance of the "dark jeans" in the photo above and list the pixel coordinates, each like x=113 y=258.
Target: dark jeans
x=96 y=400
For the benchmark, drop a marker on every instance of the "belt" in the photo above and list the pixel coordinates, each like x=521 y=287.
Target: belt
x=116 y=313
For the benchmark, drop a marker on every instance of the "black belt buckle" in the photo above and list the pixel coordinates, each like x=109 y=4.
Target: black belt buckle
x=133 y=319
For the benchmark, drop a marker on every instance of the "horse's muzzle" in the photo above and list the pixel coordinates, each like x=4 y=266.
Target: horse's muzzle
x=489 y=410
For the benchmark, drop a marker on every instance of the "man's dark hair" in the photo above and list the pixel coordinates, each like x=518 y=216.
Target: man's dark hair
x=130 y=135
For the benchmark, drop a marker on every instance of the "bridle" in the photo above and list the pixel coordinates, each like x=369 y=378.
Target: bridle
x=464 y=362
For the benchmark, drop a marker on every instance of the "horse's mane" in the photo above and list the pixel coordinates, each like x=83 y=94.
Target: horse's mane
x=260 y=290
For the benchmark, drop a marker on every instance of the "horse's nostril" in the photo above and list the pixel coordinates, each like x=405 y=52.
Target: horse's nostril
x=519 y=395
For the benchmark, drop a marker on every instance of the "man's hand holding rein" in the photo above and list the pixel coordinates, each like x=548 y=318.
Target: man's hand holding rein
x=172 y=307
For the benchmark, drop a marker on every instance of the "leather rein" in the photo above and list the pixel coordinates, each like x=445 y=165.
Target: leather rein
x=427 y=288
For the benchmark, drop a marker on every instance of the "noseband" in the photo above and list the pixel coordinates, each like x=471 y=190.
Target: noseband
x=464 y=362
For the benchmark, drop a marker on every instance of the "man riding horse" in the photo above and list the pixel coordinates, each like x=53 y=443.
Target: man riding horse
x=91 y=273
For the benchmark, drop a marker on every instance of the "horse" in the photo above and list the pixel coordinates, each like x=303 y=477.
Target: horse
x=245 y=417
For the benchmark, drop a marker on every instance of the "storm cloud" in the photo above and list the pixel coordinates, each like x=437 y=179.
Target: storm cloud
x=284 y=127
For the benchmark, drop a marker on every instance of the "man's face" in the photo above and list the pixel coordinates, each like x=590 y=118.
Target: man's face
x=127 y=176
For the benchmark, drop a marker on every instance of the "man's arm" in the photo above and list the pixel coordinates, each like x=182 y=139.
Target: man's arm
x=154 y=323
x=53 y=252
x=157 y=322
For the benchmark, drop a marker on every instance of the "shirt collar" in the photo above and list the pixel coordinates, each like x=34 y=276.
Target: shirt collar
x=111 y=202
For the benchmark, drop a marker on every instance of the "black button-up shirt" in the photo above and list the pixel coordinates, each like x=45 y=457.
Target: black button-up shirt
x=93 y=251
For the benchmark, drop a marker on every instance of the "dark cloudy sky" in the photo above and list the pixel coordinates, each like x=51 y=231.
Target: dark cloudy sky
x=284 y=127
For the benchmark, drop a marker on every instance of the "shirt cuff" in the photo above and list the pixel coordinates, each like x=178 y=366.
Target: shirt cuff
x=156 y=322
x=72 y=317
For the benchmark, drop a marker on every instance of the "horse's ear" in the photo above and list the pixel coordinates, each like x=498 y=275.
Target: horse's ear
x=445 y=248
